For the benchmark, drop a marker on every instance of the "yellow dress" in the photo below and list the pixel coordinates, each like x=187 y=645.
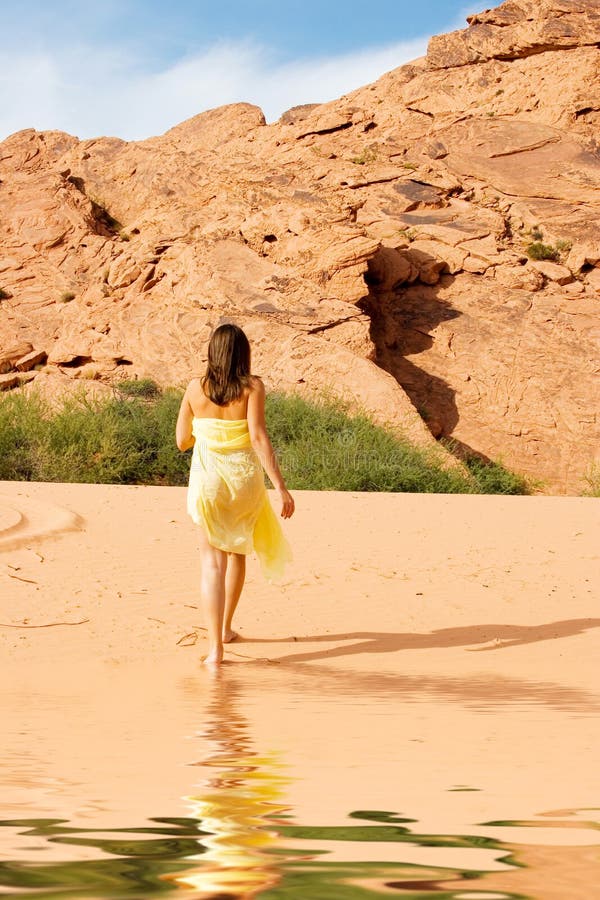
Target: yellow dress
x=227 y=494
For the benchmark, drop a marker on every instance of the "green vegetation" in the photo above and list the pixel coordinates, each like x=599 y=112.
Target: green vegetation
x=67 y=296
x=563 y=246
x=368 y=155
x=323 y=446
x=491 y=476
x=592 y=478
x=145 y=860
x=140 y=387
x=123 y=441
x=409 y=233
x=129 y=439
x=538 y=250
x=4 y=295
x=494 y=478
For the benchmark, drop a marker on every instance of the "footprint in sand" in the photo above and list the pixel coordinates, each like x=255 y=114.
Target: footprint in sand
x=23 y=520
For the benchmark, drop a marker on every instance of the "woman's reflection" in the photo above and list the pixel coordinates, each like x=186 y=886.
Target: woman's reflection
x=236 y=804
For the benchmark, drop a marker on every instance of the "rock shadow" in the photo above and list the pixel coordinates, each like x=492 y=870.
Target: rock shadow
x=403 y=313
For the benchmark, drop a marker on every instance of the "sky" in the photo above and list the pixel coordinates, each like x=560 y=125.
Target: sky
x=134 y=68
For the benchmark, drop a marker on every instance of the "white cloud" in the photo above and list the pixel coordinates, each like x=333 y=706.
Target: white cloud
x=89 y=91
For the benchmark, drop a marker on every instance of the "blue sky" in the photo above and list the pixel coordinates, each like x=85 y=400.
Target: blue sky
x=134 y=68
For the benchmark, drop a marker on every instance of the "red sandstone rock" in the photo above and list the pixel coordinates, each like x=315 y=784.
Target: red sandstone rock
x=375 y=246
x=30 y=360
x=11 y=354
x=8 y=381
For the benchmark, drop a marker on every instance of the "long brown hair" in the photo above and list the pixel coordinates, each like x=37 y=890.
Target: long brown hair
x=228 y=368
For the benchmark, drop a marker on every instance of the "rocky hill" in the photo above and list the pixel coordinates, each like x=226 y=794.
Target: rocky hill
x=428 y=245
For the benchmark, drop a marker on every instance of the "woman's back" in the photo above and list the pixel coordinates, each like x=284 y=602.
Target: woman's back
x=204 y=408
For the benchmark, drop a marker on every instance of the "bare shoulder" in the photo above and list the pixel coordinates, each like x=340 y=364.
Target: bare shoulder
x=256 y=384
x=194 y=388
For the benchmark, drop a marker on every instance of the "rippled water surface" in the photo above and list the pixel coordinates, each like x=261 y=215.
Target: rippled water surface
x=292 y=782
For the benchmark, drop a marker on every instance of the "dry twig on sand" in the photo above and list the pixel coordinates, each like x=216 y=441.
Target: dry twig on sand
x=188 y=640
x=19 y=578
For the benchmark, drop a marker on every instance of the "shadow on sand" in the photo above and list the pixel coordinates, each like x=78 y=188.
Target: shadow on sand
x=498 y=636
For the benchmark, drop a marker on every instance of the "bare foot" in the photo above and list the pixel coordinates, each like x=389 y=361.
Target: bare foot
x=214 y=658
x=229 y=636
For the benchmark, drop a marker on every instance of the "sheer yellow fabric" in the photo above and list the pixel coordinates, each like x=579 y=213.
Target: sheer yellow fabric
x=227 y=495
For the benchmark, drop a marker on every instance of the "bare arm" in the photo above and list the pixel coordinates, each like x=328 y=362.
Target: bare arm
x=183 y=429
x=261 y=443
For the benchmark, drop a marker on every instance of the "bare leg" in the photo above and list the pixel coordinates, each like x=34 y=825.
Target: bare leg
x=234 y=582
x=212 y=590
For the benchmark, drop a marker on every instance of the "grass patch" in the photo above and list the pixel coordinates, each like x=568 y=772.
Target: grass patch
x=130 y=439
x=368 y=155
x=494 y=478
x=592 y=479
x=115 y=441
x=139 y=387
x=409 y=233
x=322 y=446
x=539 y=250
x=563 y=246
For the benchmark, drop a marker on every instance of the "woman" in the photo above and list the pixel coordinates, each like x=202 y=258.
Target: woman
x=222 y=416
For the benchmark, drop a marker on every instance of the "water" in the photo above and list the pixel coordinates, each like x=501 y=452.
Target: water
x=296 y=781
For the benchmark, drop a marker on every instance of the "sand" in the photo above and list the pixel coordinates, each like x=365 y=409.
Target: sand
x=505 y=587
x=418 y=645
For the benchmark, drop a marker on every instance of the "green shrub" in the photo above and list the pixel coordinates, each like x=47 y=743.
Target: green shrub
x=592 y=479
x=409 y=233
x=67 y=296
x=563 y=246
x=494 y=478
x=4 y=295
x=322 y=446
x=139 y=387
x=130 y=439
x=368 y=155
x=538 y=250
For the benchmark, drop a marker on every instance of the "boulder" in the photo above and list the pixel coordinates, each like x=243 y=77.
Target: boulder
x=552 y=271
x=30 y=360
x=8 y=381
x=11 y=354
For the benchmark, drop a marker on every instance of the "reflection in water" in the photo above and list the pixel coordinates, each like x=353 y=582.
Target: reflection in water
x=148 y=860
x=239 y=840
x=239 y=798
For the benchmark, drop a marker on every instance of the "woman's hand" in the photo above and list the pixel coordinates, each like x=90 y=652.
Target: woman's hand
x=287 y=503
